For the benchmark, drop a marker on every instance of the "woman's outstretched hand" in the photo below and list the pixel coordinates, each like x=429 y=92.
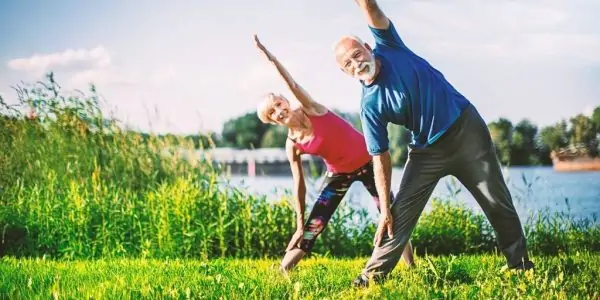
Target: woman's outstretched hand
x=263 y=48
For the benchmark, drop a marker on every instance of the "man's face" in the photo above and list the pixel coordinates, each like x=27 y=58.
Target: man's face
x=356 y=59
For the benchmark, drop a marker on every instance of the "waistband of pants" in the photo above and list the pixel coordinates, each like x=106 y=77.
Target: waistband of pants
x=356 y=172
x=453 y=131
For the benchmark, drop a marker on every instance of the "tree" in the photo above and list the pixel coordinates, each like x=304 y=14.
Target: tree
x=596 y=119
x=244 y=132
x=552 y=138
x=523 y=144
x=582 y=132
x=274 y=137
x=596 y=123
x=501 y=133
x=399 y=138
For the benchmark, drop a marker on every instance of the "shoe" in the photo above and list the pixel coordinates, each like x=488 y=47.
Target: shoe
x=360 y=282
x=522 y=266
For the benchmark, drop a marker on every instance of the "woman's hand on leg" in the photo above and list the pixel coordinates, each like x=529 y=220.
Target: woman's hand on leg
x=296 y=239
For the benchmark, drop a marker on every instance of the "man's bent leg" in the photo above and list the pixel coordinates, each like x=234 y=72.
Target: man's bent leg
x=421 y=174
x=367 y=177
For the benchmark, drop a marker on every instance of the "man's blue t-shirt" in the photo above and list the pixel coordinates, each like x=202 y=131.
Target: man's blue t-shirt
x=408 y=91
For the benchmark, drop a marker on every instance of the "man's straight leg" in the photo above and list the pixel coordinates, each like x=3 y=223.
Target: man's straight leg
x=421 y=174
x=484 y=180
x=477 y=167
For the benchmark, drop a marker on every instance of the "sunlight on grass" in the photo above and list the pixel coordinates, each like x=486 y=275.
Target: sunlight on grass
x=462 y=277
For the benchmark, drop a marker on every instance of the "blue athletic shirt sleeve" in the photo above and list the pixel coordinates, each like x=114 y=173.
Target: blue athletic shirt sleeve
x=374 y=130
x=387 y=37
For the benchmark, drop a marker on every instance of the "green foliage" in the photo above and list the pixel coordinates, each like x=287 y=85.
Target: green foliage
x=583 y=132
x=274 y=137
x=446 y=277
x=202 y=141
x=523 y=147
x=73 y=184
x=399 y=138
x=596 y=119
x=552 y=138
x=461 y=229
x=245 y=132
x=501 y=133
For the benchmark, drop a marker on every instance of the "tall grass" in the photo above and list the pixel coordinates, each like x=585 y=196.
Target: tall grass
x=75 y=184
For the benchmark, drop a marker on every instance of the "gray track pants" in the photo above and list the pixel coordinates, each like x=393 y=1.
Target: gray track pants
x=465 y=151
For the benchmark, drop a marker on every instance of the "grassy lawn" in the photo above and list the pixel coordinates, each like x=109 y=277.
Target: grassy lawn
x=460 y=277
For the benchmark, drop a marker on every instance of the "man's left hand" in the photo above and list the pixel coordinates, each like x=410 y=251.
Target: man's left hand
x=385 y=224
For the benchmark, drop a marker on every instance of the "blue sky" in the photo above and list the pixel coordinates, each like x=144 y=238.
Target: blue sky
x=188 y=66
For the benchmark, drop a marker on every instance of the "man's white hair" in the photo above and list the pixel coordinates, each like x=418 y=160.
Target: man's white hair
x=345 y=37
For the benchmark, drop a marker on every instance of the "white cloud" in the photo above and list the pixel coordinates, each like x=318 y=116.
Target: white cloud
x=39 y=63
x=119 y=76
x=82 y=67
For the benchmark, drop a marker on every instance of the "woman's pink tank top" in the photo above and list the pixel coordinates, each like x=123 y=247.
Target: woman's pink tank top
x=341 y=146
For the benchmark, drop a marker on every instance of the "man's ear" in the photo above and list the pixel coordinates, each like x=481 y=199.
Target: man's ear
x=368 y=47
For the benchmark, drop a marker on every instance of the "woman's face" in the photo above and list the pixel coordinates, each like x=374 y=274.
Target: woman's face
x=278 y=110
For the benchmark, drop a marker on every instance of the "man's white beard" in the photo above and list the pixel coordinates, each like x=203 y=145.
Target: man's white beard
x=369 y=73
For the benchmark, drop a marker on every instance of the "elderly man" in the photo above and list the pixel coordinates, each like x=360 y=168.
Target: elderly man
x=449 y=138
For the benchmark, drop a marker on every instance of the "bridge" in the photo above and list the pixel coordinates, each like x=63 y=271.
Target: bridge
x=256 y=162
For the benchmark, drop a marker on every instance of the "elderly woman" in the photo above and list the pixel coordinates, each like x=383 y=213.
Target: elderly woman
x=314 y=129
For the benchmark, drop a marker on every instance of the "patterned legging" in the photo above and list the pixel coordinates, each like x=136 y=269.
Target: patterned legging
x=333 y=190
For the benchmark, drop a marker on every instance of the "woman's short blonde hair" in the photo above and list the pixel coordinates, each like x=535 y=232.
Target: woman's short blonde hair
x=262 y=110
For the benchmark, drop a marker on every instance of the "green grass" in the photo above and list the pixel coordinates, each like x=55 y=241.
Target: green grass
x=461 y=277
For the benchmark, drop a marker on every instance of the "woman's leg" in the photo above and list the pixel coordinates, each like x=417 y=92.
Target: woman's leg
x=331 y=194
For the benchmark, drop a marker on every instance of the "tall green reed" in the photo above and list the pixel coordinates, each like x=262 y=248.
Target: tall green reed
x=75 y=184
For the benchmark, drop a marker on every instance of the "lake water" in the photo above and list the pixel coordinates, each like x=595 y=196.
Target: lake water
x=533 y=189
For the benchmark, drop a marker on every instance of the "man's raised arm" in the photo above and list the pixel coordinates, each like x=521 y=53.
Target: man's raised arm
x=375 y=16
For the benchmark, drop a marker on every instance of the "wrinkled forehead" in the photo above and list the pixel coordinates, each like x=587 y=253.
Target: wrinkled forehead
x=346 y=46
